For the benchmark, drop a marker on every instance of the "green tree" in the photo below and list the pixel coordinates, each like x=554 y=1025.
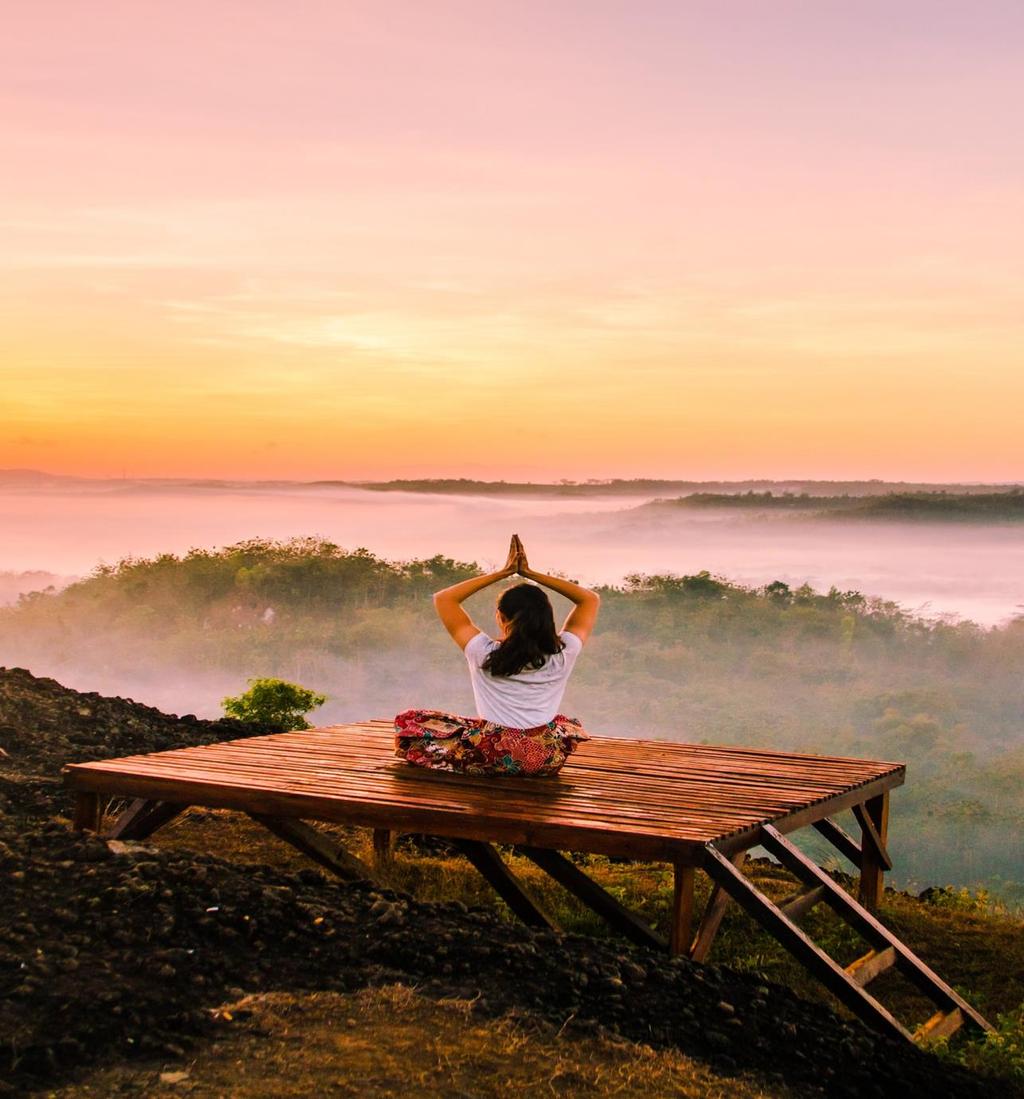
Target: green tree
x=274 y=701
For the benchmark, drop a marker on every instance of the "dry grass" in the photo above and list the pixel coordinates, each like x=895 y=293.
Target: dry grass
x=390 y=1041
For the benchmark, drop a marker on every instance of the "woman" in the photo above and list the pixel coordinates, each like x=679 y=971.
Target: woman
x=518 y=680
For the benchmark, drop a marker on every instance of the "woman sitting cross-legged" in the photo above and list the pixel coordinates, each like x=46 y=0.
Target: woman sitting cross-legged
x=518 y=680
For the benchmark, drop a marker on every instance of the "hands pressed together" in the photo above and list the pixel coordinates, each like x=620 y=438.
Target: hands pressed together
x=516 y=561
x=448 y=601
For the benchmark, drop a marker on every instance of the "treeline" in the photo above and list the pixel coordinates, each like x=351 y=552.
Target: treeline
x=982 y=506
x=693 y=658
x=651 y=487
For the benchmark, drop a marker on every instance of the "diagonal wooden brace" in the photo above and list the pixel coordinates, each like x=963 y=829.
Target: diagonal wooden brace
x=142 y=818
x=316 y=846
x=568 y=875
x=872 y=837
x=511 y=890
x=710 y=922
x=840 y=839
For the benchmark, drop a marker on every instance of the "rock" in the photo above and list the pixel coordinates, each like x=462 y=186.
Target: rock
x=717 y=1040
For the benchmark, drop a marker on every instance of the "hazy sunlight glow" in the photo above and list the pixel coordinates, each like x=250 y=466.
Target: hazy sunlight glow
x=513 y=240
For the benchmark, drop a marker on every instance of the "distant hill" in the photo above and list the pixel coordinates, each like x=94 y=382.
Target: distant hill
x=976 y=506
x=28 y=479
x=729 y=490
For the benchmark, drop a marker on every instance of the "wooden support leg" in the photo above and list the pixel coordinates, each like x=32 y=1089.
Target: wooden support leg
x=712 y=918
x=317 y=846
x=874 y=822
x=383 y=847
x=142 y=818
x=88 y=811
x=492 y=867
x=568 y=875
x=682 y=910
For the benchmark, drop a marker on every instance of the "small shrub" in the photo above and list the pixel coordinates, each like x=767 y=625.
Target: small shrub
x=999 y=1053
x=274 y=701
x=976 y=901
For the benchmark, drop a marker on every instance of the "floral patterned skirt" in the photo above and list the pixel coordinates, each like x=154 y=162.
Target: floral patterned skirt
x=475 y=746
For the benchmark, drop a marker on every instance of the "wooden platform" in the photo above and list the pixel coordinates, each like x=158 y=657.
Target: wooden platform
x=649 y=799
x=696 y=806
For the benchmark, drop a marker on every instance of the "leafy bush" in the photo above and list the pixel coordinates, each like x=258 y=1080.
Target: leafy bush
x=999 y=1053
x=274 y=701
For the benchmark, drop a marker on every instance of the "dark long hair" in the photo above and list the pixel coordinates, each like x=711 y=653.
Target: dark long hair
x=531 y=636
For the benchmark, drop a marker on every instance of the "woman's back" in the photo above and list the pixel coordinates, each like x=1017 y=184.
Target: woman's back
x=530 y=697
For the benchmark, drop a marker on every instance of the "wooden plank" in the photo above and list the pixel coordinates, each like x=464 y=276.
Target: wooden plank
x=710 y=922
x=618 y=917
x=560 y=801
x=808 y=953
x=315 y=845
x=796 y=907
x=88 y=811
x=682 y=909
x=710 y=783
x=142 y=818
x=511 y=890
x=359 y=734
x=941 y=1025
x=840 y=839
x=713 y=796
x=719 y=764
x=866 y=924
x=866 y=968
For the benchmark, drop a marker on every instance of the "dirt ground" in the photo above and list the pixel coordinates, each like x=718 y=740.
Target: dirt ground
x=391 y=1041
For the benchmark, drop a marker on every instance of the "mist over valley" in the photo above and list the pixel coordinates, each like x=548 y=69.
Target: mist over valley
x=758 y=624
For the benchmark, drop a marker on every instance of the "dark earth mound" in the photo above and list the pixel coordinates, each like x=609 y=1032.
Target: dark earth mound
x=109 y=950
x=44 y=725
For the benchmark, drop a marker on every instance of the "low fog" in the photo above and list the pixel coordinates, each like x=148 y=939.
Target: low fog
x=967 y=570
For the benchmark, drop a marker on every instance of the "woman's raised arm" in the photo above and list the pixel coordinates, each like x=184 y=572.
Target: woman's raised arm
x=583 y=616
x=448 y=601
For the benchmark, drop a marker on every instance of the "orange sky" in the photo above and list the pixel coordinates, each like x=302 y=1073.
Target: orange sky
x=547 y=240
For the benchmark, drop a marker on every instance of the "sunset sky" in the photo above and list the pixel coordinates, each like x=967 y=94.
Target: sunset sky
x=534 y=239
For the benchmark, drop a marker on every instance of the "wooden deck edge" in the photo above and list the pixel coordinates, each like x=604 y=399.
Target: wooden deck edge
x=602 y=841
x=744 y=839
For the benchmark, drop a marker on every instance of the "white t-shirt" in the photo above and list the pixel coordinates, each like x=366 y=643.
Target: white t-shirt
x=529 y=698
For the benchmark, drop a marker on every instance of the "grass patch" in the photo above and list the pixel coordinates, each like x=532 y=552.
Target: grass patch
x=390 y=1041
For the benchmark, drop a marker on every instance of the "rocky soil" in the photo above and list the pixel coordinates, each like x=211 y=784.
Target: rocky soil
x=114 y=950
